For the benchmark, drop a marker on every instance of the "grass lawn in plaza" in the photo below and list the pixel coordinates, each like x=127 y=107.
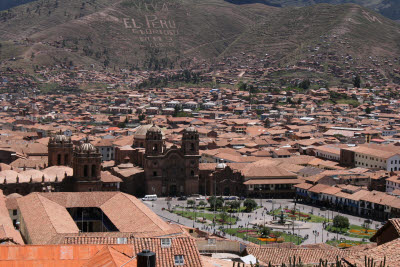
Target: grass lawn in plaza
x=208 y=216
x=253 y=236
x=353 y=231
x=211 y=209
x=299 y=216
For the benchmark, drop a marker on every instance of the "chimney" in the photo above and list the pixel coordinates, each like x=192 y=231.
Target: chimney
x=146 y=258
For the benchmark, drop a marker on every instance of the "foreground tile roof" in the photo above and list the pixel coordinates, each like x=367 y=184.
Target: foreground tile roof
x=388 y=252
x=45 y=215
x=277 y=256
x=56 y=255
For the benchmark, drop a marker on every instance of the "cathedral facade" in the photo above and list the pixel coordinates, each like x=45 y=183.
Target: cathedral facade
x=171 y=171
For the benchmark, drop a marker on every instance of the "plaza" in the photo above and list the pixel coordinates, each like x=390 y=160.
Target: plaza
x=310 y=232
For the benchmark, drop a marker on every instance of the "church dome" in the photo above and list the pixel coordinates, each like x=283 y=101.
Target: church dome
x=142 y=131
x=191 y=129
x=154 y=129
x=87 y=147
x=60 y=138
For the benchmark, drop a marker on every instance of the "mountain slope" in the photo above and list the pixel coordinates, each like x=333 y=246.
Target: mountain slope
x=180 y=33
x=153 y=34
x=388 y=8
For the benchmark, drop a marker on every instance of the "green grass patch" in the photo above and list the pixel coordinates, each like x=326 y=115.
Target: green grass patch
x=211 y=209
x=353 y=231
x=251 y=236
x=208 y=216
x=299 y=216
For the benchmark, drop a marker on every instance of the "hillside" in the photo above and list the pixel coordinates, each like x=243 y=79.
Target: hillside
x=388 y=8
x=181 y=33
x=151 y=34
x=292 y=34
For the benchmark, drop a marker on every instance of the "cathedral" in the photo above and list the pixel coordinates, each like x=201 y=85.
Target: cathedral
x=70 y=169
x=171 y=171
x=86 y=165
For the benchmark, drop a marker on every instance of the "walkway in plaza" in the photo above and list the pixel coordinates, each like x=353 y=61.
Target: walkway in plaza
x=260 y=215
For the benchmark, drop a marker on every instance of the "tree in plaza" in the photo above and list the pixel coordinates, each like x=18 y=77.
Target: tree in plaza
x=234 y=205
x=202 y=203
x=224 y=216
x=341 y=222
x=191 y=203
x=218 y=202
x=265 y=231
x=250 y=204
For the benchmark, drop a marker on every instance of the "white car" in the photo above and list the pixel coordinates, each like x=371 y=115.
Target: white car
x=200 y=198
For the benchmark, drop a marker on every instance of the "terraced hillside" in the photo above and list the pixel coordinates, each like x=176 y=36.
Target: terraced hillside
x=388 y=8
x=179 y=33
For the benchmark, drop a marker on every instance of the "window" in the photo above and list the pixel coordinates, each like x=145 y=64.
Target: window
x=154 y=173
x=59 y=159
x=165 y=242
x=15 y=212
x=85 y=170
x=94 y=171
x=179 y=260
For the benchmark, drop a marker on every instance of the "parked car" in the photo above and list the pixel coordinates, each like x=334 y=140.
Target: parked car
x=200 y=198
x=182 y=198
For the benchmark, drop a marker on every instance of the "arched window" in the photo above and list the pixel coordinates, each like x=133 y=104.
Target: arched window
x=59 y=159
x=154 y=173
x=85 y=170
x=66 y=159
x=94 y=171
x=192 y=172
x=192 y=147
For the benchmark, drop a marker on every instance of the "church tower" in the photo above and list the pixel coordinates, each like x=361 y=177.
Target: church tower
x=87 y=167
x=60 y=150
x=190 y=141
x=154 y=141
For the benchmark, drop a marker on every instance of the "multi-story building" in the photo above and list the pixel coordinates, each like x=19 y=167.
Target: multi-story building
x=371 y=158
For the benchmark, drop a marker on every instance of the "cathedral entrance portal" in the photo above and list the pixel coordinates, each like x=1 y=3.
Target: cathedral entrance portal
x=173 y=190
